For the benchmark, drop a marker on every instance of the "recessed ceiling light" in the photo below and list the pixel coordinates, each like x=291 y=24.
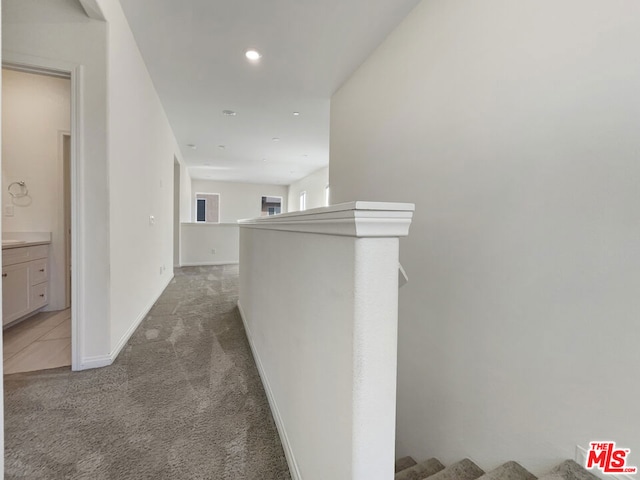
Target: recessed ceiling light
x=305 y=155
x=221 y=147
x=252 y=54
x=275 y=139
x=264 y=159
x=192 y=146
x=229 y=113
x=296 y=114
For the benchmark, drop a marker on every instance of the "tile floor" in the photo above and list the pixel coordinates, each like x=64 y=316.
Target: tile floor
x=40 y=342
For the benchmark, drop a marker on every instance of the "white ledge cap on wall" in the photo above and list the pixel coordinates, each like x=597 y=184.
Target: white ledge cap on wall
x=352 y=219
x=208 y=224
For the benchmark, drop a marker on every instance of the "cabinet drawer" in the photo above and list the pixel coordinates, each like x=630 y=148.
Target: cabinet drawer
x=38 y=271
x=39 y=296
x=38 y=251
x=11 y=256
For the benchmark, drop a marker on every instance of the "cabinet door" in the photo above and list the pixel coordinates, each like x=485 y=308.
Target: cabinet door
x=15 y=292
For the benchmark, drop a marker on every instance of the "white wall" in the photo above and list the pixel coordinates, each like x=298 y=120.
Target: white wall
x=513 y=126
x=314 y=185
x=209 y=244
x=60 y=30
x=186 y=200
x=183 y=185
x=141 y=160
x=176 y=213
x=36 y=110
x=238 y=200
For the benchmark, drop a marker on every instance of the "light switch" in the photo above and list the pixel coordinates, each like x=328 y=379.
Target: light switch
x=8 y=211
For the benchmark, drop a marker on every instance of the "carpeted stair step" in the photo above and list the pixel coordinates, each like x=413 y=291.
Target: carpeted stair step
x=509 y=471
x=463 y=470
x=569 y=470
x=421 y=470
x=404 y=463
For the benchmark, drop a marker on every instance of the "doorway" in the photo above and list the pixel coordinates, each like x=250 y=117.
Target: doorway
x=65 y=295
x=36 y=220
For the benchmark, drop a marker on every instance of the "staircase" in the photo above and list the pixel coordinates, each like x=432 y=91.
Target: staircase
x=408 y=469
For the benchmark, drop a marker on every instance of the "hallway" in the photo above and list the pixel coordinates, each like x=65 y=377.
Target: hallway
x=182 y=401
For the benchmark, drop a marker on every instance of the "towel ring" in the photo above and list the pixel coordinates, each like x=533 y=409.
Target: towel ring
x=20 y=191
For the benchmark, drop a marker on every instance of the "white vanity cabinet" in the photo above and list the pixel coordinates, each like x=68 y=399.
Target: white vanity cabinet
x=25 y=281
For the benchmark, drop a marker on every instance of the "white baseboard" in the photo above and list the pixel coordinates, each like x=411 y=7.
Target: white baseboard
x=127 y=335
x=98 y=361
x=209 y=264
x=288 y=452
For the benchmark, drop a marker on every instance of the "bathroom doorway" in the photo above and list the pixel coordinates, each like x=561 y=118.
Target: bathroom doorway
x=37 y=215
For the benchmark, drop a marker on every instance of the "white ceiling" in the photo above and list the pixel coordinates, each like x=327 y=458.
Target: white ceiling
x=194 y=50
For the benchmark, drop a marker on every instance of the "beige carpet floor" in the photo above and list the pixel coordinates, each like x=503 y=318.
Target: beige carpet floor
x=182 y=401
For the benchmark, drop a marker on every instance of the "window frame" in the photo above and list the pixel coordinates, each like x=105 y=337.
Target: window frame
x=302 y=201
x=205 y=213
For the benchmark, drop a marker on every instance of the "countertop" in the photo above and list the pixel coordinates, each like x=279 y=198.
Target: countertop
x=25 y=239
x=6 y=244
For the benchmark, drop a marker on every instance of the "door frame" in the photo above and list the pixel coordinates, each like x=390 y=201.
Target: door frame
x=75 y=72
x=66 y=195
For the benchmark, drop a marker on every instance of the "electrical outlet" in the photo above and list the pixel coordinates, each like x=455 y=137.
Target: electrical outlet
x=8 y=211
x=152 y=220
x=213 y=251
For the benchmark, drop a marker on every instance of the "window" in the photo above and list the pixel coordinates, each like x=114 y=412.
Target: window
x=326 y=196
x=271 y=206
x=208 y=207
x=303 y=201
x=201 y=209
